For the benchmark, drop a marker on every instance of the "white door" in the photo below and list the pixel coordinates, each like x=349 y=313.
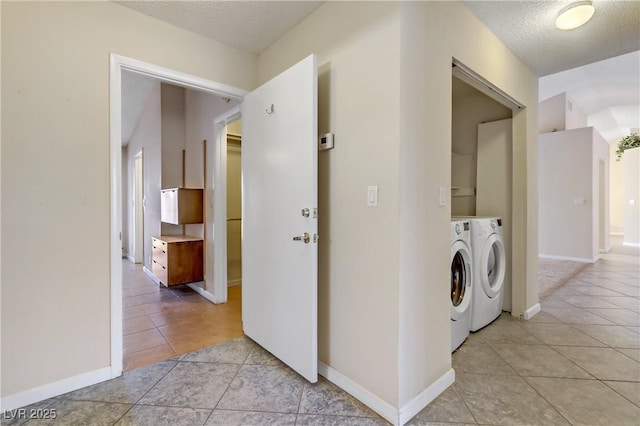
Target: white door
x=279 y=226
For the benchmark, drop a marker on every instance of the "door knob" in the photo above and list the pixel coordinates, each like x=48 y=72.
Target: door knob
x=305 y=237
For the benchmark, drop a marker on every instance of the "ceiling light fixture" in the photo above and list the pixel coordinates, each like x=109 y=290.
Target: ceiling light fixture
x=575 y=15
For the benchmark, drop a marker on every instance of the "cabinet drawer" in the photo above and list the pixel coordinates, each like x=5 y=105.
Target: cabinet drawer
x=160 y=272
x=159 y=255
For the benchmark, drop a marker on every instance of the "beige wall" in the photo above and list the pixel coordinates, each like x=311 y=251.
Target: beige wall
x=433 y=33
x=560 y=112
x=631 y=165
x=358 y=57
x=569 y=193
x=616 y=190
x=55 y=212
x=467 y=112
x=146 y=137
x=385 y=91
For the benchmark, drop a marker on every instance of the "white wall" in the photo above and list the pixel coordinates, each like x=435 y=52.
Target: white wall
x=631 y=164
x=358 y=90
x=200 y=111
x=126 y=195
x=569 y=193
x=55 y=212
x=560 y=112
x=146 y=137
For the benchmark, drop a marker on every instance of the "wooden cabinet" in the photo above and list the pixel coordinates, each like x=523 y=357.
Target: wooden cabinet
x=180 y=206
x=177 y=259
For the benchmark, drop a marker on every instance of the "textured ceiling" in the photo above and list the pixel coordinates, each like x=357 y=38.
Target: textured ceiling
x=251 y=26
x=528 y=29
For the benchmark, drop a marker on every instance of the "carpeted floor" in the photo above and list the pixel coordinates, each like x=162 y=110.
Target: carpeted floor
x=555 y=273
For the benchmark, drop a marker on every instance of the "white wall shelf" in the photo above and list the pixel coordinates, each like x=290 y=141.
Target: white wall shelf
x=457 y=191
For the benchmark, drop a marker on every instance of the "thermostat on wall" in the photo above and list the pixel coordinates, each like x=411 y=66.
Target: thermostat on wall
x=326 y=141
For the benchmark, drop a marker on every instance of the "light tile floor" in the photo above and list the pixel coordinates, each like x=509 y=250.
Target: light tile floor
x=576 y=362
x=160 y=323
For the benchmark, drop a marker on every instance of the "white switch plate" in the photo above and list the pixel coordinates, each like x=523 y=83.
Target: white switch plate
x=442 y=196
x=372 y=196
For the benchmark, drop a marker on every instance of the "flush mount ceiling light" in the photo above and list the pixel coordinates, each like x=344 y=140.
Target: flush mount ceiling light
x=575 y=15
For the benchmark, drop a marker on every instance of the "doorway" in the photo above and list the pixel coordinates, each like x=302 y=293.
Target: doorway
x=229 y=98
x=234 y=204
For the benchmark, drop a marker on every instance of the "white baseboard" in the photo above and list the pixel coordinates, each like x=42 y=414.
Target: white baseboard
x=572 y=259
x=234 y=283
x=150 y=275
x=605 y=250
x=532 y=311
x=131 y=258
x=628 y=244
x=383 y=408
x=202 y=292
x=377 y=404
x=40 y=393
x=424 y=398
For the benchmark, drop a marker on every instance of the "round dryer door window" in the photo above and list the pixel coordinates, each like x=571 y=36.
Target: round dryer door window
x=493 y=263
x=458 y=279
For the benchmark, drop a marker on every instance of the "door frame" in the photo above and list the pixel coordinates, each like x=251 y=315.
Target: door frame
x=138 y=212
x=117 y=64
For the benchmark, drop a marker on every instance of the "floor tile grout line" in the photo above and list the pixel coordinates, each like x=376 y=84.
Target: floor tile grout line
x=616 y=391
x=557 y=410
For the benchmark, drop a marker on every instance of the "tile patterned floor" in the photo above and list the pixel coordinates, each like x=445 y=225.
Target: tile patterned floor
x=160 y=323
x=576 y=362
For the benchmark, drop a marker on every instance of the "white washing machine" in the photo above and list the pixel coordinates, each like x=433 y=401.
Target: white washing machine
x=489 y=264
x=461 y=282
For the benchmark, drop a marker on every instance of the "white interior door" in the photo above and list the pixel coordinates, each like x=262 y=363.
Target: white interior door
x=279 y=226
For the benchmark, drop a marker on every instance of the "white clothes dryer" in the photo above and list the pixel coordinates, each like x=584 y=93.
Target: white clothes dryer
x=489 y=262
x=461 y=282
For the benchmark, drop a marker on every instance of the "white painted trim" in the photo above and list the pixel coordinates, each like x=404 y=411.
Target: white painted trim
x=117 y=64
x=150 y=275
x=40 y=393
x=131 y=259
x=115 y=220
x=625 y=243
x=234 y=283
x=377 y=404
x=424 y=398
x=220 y=204
x=201 y=291
x=573 y=259
x=605 y=250
x=532 y=311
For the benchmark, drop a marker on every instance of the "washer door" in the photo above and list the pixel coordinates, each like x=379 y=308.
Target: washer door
x=492 y=264
x=461 y=277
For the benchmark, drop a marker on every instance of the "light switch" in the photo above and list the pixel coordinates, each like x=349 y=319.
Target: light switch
x=443 y=196
x=372 y=196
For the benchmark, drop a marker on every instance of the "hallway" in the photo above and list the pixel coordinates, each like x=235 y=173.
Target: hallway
x=160 y=323
x=576 y=362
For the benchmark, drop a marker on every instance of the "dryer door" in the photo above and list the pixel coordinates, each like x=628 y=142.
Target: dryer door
x=461 y=277
x=492 y=264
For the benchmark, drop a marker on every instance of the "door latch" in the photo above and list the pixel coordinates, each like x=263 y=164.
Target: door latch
x=305 y=237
